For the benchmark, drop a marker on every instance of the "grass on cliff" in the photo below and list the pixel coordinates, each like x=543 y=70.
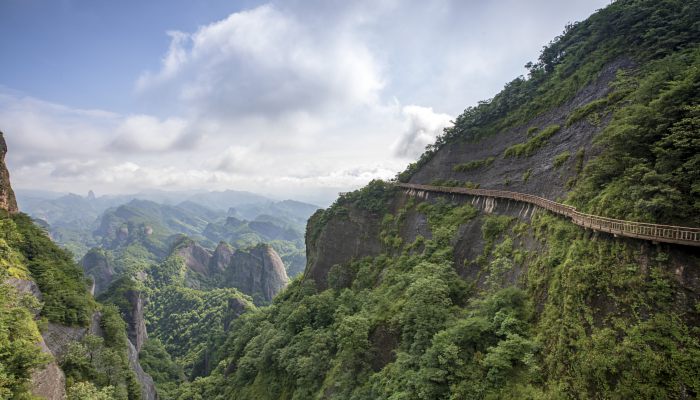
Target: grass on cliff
x=533 y=144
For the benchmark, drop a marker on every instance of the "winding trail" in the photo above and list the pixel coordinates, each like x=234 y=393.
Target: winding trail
x=653 y=232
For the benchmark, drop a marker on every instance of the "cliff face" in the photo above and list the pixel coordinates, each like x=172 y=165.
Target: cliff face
x=340 y=240
x=257 y=271
x=221 y=257
x=60 y=335
x=196 y=257
x=536 y=174
x=442 y=296
x=7 y=195
x=98 y=267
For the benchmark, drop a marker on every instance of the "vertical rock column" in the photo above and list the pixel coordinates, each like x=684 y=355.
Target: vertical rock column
x=7 y=195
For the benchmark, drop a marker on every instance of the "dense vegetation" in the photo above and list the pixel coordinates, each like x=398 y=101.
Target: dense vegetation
x=192 y=324
x=98 y=366
x=64 y=288
x=94 y=366
x=545 y=309
x=186 y=327
x=19 y=335
x=405 y=325
x=650 y=168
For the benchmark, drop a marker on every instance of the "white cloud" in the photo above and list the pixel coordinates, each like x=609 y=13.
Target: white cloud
x=286 y=99
x=423 y=126
x=145 y=133
x=264 y=62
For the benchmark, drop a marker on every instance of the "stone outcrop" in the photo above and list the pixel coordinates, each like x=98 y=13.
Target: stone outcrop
x=7 y=195
x=221 y=257
x=257 y=271
x=340 y=240
x=136 y=324
x=49 y=382
x=98 y=267
x=196 y=257
x=148 y=388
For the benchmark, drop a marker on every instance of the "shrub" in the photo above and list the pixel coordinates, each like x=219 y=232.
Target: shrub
x=561 y=158
x=531 y=146
x=475 y=164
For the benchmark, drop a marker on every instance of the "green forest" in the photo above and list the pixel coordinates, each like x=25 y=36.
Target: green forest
x=553 y=311
x=94 y=366
x=411 y=295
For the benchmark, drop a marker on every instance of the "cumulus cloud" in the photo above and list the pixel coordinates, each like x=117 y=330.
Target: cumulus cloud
x=264 y=62
x=145 y=133
x=287 y=98
x=423 y=126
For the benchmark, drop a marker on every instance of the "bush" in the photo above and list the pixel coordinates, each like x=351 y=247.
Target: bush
x=533 y=144
x=475 y=164
x=561 y=158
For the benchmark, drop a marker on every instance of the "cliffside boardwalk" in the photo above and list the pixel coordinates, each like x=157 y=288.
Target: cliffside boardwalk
x=654 y=232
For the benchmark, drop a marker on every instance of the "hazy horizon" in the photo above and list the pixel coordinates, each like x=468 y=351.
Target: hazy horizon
x=296 y=100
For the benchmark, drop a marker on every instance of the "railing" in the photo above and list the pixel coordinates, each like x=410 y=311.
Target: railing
x=640 y=230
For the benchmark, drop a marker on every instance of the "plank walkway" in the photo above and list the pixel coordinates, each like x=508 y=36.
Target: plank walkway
x=654 y=232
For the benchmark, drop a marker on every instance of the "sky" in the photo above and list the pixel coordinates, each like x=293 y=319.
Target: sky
x=291 y=99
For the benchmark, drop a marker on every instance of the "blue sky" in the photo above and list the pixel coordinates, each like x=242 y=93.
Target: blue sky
x=291 y=99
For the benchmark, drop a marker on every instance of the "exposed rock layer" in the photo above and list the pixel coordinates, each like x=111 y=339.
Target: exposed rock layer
x=7 y=195
x=258 y=270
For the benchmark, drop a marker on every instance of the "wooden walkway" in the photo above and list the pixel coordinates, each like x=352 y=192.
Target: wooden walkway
x=654 y=232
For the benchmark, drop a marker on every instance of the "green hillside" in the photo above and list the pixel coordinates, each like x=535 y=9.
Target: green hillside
x=434 y=297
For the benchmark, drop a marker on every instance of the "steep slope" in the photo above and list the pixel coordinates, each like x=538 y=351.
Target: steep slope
x=257 y=271
x=425 y=296
x=7 y=195
x=56 y=340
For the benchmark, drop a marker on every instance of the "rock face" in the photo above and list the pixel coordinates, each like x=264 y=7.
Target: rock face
x=148 y=388
x=258 y=270
x=543 y=178
x=340 y=240
x=221 y=258
x=7 y=195
x=196 y=257
x=49 y=382
x=97 y=266
x=136 y=324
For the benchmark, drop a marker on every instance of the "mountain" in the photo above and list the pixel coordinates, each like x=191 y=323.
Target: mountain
x=256 y=271
x=147 y=230
x=228 y=198
x=430 y=294
x=81 y=223
x=55 y=339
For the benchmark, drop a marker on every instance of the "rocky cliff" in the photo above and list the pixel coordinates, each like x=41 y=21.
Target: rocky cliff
x=7 y=195
x=48 y=286
x=412 y=294
x=99 y=268
x=258 y=271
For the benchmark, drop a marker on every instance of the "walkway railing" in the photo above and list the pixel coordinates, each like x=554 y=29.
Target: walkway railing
x=640 y=230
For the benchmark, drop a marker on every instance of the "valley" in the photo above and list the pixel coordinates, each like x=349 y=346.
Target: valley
x=545 y=246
